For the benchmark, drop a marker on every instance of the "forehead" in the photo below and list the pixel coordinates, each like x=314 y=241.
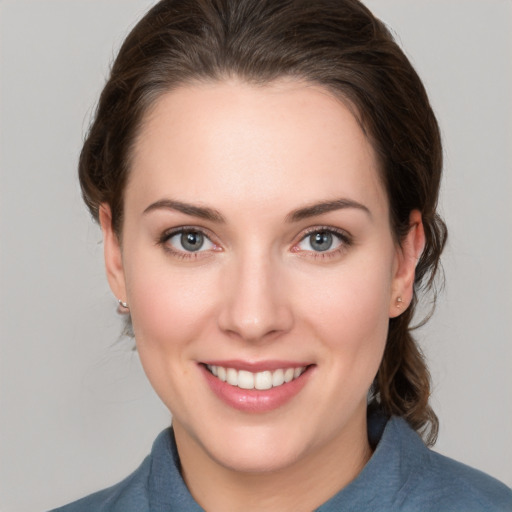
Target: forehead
x=286 y=143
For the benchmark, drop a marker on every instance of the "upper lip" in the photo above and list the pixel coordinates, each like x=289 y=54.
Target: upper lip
x=256 y=366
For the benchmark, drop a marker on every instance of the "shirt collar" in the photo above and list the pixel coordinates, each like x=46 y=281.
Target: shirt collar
x=379 y=481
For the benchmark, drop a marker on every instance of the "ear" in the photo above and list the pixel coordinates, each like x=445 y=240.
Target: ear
x=407 y=256
x=112 y=254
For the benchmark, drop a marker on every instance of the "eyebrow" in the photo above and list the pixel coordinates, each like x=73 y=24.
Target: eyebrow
x=294 y=216
x=325 y=207
x=188 y=209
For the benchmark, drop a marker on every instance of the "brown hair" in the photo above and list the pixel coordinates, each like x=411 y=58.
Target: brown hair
x=338 y=44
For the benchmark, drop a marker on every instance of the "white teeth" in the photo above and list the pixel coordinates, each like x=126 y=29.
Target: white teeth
x=263 y=380
x=221 y=373
x=278 y=378
x=245 y=380
x=232 y=376
x=288 y=374
x=260 y=380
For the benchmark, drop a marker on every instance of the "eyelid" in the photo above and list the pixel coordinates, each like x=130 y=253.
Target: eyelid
x=346 y=240
x=170 y=233
x=341 y=233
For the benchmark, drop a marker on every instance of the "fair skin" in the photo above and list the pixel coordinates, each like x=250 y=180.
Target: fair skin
x=260 y=282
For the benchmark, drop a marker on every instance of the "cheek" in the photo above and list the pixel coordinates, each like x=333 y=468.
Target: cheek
x=349 y=312
x=171 y=311
x=168 y=305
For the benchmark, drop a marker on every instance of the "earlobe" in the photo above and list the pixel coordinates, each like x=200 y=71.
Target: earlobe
x=112 y=253
x=408 y=254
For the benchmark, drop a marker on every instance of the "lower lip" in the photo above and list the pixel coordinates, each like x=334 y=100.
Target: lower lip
x=255 y=400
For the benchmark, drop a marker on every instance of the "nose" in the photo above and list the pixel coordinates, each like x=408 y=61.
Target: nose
x=255 y=306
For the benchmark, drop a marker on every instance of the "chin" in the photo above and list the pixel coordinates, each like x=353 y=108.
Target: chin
x=263 y=448
x=256 y=457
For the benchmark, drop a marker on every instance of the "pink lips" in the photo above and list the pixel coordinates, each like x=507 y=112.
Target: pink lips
x=253 y=400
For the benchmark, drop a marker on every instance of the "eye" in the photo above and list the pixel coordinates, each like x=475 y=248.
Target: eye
x=323 y=240
x=188 y=240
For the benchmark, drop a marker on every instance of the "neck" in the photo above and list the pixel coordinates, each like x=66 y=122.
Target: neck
x=323 y=472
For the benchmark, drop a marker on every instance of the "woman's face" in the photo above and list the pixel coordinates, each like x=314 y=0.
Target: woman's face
x=257 y=248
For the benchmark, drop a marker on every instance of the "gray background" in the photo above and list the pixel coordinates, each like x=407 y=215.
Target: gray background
x=76 y=413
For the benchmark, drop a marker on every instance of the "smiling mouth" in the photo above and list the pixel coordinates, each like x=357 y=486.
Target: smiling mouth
x=256 y=380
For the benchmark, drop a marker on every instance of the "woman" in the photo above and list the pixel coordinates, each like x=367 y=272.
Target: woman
x=266 y=177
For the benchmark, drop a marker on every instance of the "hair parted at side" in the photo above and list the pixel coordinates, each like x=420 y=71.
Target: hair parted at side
x=337 y=44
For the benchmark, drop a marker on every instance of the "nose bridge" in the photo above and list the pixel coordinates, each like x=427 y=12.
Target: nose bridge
x=255 y=305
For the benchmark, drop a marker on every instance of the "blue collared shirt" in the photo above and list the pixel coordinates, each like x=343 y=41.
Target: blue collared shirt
x=402 y=475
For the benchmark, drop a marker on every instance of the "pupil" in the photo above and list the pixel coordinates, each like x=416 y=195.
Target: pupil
x=321 y=241
x=192 y=241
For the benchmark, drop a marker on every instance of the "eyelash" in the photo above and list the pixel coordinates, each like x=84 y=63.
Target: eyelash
x=183 y=255
x=345 y=242
x=345 y=239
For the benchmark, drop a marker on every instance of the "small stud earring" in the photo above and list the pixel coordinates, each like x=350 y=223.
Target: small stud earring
x=123 y=304
x=399 y=301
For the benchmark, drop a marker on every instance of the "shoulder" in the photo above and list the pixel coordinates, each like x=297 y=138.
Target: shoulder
x=129 y=495
x=452 y=483
x=436 y=482
x=157 y=485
